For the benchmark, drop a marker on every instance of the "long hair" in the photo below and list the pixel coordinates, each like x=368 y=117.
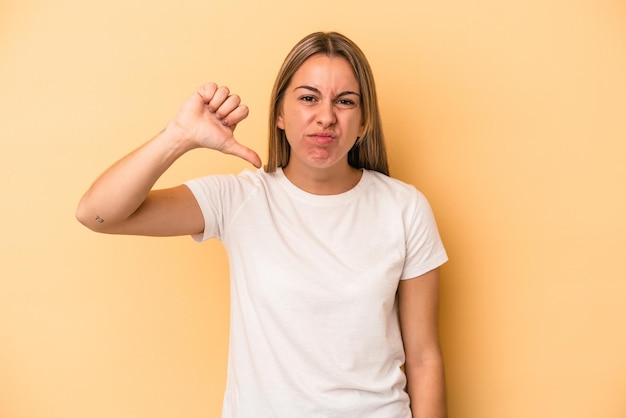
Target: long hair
x=369 y=150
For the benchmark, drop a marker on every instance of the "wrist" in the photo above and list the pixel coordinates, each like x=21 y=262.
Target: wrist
x=174 y=139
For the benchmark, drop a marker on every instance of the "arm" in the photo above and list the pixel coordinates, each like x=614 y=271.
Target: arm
x=418 y=309
x=122 y=201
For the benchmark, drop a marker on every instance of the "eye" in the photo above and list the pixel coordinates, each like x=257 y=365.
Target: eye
x=346 y=103
x=309 y=99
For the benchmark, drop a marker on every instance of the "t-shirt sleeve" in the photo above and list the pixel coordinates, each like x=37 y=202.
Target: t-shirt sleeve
x=219 y=198
x=424 y=248
x=208 y=192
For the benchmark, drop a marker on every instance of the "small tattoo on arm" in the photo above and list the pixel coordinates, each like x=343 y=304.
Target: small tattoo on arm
x=99 y=219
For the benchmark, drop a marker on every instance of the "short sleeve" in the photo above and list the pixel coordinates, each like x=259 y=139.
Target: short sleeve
x=424 y=248
x=209 y=193
x=220 y=197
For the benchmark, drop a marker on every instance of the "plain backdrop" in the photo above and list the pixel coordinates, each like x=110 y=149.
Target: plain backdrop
x=509 y=116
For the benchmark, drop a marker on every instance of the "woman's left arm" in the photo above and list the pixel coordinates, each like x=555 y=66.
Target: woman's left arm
x=418 y=308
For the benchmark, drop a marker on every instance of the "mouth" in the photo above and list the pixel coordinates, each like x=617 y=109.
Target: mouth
x=322 y=138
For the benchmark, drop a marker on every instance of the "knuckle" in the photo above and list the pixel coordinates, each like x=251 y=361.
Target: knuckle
x=208 y=87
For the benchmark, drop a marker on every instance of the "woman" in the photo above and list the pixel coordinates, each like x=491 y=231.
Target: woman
x=334 y=265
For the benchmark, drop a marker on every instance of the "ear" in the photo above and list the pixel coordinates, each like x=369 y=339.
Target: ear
x=362 y=132
x=280 y=122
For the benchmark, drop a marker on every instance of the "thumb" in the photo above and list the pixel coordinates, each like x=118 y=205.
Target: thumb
x=243 y=152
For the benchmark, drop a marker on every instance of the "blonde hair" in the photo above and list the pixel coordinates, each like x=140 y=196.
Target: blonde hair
x=369 y=150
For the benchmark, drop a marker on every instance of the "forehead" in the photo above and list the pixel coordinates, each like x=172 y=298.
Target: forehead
x=324 y=71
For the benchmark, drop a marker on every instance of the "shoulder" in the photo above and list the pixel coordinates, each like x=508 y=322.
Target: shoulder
x=395 y=194
x=393 y=187
x=222 y=197
x=244 y=182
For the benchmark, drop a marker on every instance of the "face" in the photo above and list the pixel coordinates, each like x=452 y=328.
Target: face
x=321 y=113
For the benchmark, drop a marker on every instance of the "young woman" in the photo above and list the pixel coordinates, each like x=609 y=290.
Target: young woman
x=334 y=264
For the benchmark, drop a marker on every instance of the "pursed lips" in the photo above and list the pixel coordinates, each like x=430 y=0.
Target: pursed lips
x=322 y=138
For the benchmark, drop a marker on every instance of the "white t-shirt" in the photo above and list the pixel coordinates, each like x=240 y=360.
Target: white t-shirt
x=314 y=329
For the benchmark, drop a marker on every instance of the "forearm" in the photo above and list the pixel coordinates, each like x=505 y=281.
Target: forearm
x=121 y=189
x=121 y=200
x=426 y=387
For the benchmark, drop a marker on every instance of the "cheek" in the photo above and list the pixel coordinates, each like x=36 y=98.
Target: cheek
x=293 y=119
x=356 y=127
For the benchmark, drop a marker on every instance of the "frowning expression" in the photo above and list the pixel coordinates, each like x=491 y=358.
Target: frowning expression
x=321 y=113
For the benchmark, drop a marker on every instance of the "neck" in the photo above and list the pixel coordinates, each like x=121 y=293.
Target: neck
x=327 y=181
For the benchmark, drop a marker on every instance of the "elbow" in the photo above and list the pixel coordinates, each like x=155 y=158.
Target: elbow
x=85 y=216
x=426 y=358
x=98 y=219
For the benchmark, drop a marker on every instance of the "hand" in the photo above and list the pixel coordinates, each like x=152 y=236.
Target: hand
x=208 y=118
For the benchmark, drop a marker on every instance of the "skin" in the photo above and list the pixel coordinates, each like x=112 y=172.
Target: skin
x=418 y=301
x=115 y=204
x=321 y=116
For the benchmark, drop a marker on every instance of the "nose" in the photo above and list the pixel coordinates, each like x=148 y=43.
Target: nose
x=326 y=114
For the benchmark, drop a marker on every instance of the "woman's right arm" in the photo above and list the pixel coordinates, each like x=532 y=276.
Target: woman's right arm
x=121 y=200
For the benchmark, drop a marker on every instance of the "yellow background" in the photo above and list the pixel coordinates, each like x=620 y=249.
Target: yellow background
x=510 y=116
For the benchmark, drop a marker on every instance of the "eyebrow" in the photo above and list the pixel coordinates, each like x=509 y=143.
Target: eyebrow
x=313 y=89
